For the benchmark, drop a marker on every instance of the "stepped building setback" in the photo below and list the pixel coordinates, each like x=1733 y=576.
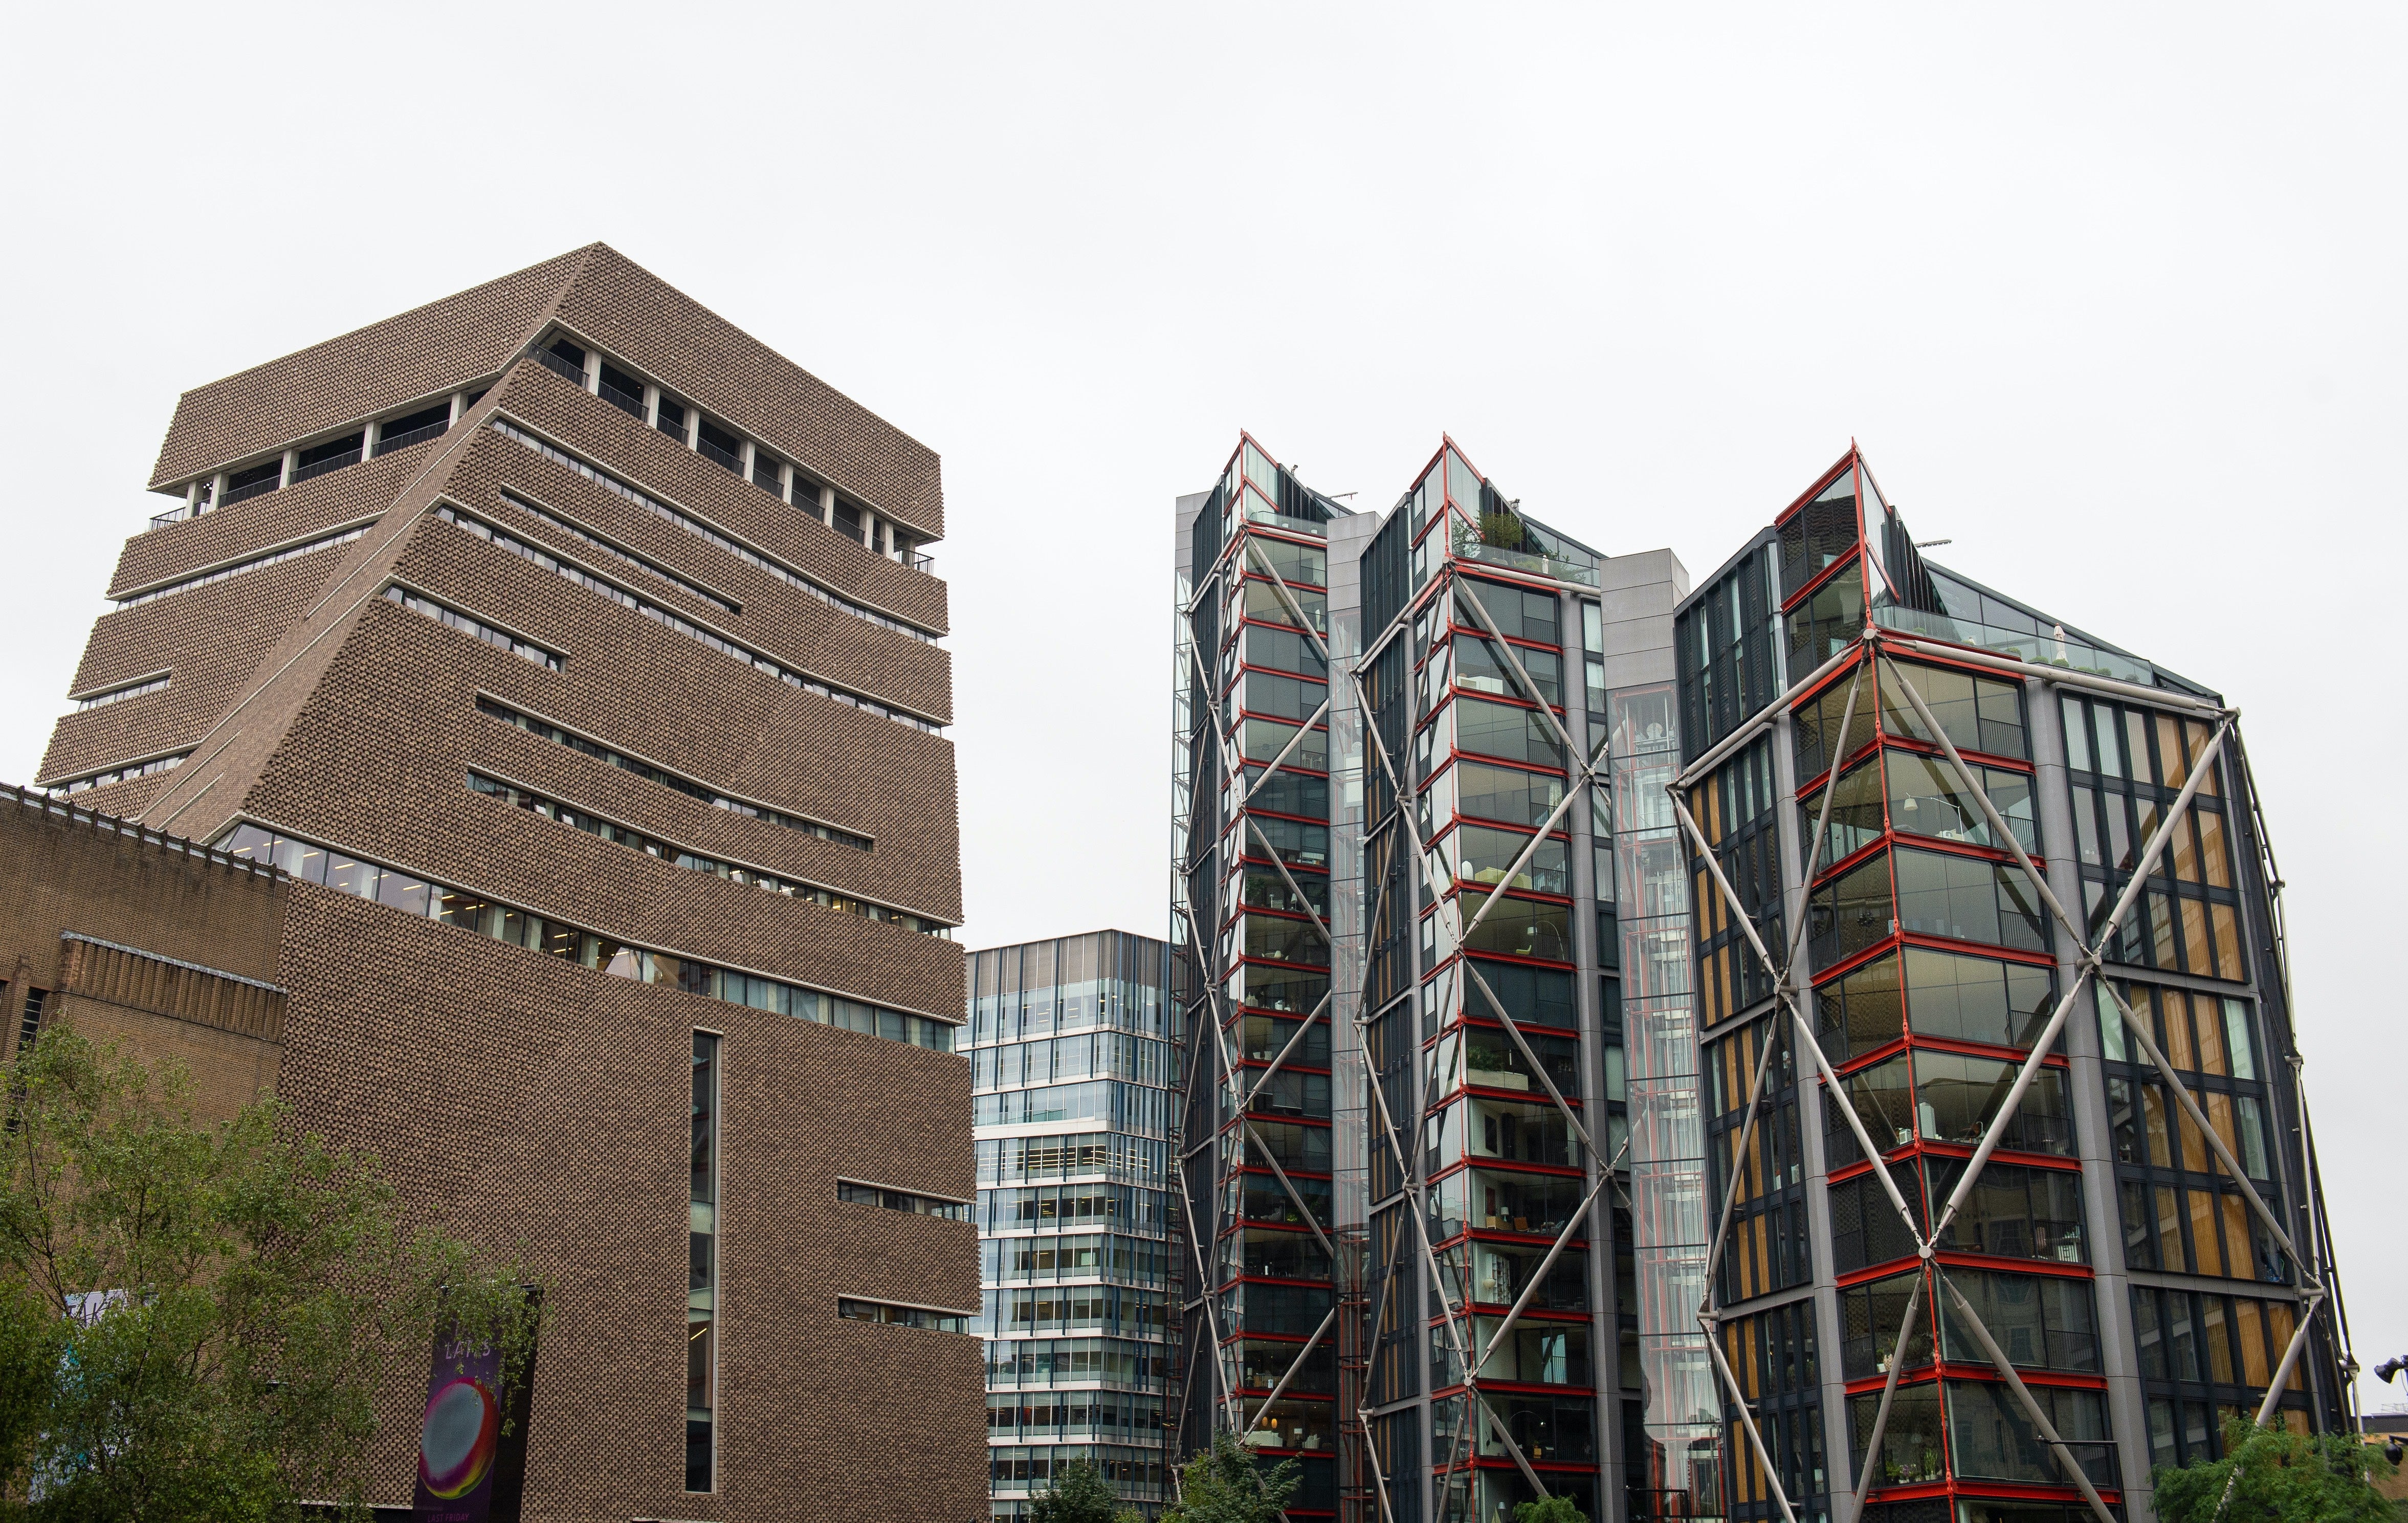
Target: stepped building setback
x=574 y=665
x=1565 y=946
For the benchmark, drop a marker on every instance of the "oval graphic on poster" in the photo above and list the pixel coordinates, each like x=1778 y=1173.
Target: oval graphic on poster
x=456 y=1442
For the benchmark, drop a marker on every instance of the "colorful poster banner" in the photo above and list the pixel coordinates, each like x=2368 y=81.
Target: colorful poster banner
x=469 y=1470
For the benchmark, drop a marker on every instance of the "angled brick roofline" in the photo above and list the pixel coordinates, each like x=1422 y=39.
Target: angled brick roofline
x=38 y=802
x=601 y=297
x=424 y=352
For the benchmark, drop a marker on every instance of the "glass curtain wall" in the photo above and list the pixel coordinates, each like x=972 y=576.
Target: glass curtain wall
x=1253 y=905
x=1933 y=967
x=1674 y=1470
x=1075 y=1053
x=1476 y=691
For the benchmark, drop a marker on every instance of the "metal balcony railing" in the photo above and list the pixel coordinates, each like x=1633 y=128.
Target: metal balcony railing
x=408 y=436
x=320 y=468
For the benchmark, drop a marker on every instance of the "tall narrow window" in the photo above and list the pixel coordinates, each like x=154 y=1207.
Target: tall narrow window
x=702 y=1292
x=30 y=1024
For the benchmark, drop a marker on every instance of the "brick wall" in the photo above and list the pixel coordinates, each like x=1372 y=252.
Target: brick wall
x=541 y=1109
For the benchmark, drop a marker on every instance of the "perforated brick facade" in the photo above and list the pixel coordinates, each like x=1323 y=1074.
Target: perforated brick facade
x=726 y=680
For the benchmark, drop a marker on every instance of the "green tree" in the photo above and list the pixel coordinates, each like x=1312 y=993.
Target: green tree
x=1553 y=1509
x=1080 y=1494
x=197 y=1320
x=2281 y=1475
x=1503 y=530
x=1225 y=1484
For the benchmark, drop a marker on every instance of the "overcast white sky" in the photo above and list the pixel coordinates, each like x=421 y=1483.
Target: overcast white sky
x=2113 y=296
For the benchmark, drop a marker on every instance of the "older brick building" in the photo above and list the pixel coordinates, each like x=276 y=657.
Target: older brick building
x=575 y=658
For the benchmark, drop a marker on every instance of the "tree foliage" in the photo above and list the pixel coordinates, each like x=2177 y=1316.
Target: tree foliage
x=197 y=1320
x=2282 y=1475
x=1503 y=530
x=1226 y=1484
x=1080 y=1494
x=1553 y=1509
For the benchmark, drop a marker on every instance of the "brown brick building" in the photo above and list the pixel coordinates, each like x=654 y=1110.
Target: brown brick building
x=576 y=659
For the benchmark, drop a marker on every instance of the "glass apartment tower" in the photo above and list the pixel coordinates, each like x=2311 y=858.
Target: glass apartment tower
x=1074 y=1046
x=1992 y=898
x=1428 y=876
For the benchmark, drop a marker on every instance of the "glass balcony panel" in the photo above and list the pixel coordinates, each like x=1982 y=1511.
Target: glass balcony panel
x=1505 y=733
x=1992 y=1438
x=1979 y=713
x=1969 y=899
x=1479 y=1128
x=1537 y=1353
x=1977 y=999
x=1264 y=604
x=1912 y=1446
x=1480 y=666
x=1957 y=1096
x=1503 y=793
x=1926 y=799
x=1290 y=1425
x=1487 y=1057
x=1501 y=1271
x=1482 y=856
x=1511 y=1202
x=1870 y=1317
x=1520 y=927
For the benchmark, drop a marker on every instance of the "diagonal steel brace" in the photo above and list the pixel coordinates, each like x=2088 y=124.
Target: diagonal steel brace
x=1889 y=1390
x=2072 y=1466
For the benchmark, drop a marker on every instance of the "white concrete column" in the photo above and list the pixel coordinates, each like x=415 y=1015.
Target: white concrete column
x=594 y=370
x=744 y=459
x=369 y=434
x=786 y=483
x=292 y=459
x=217 y=489
x=459 y=404
x=651 y=404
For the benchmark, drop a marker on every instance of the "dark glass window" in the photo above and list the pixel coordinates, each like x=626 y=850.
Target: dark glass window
x=1819 y=534
x=1828 y=622
x=702 y=1337
x=1969 y=899
x=622 y=390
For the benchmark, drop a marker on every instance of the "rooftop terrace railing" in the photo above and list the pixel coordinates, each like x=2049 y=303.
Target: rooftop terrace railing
x=320 y=468
x=1468 y=549
x=1282 y=521
x=244 y=494
x=2049 y=650
x=387 y=444
x=628 y=402
x=554 y=362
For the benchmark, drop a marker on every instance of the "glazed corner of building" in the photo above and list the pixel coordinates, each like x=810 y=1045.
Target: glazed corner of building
x=2145 y=1296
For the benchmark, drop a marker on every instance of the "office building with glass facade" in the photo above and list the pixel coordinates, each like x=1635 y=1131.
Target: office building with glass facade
x=2014 y=1192
x=1431 y=906
x=1075 y=1054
